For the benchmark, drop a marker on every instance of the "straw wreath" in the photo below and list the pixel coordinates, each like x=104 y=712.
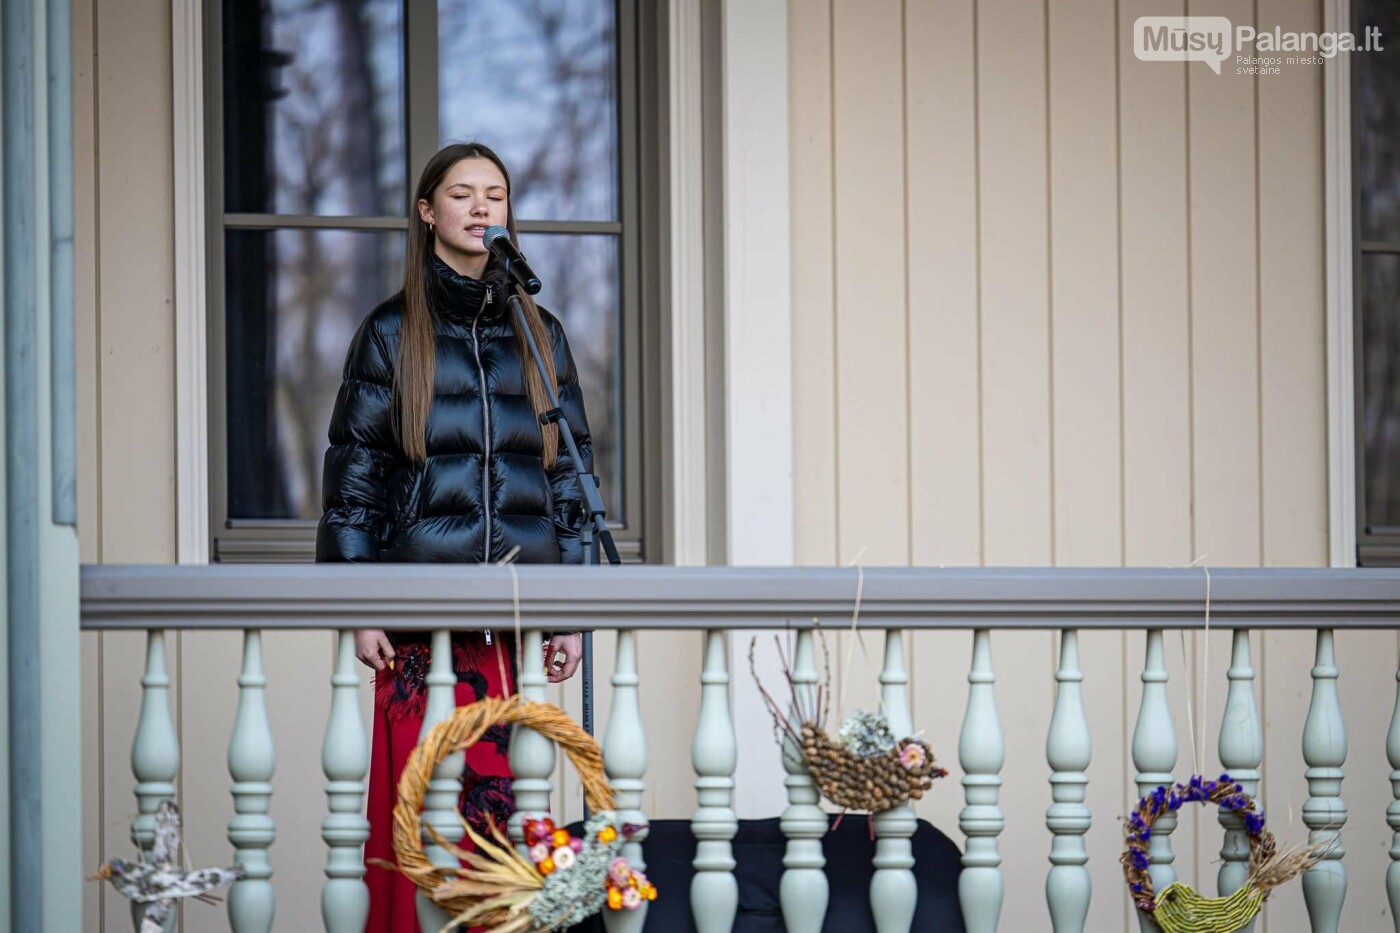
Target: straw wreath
x=498 y=887
x=1179 y=908
x=866 y=767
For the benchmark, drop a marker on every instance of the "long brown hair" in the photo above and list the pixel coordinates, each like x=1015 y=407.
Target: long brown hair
x=416 y=365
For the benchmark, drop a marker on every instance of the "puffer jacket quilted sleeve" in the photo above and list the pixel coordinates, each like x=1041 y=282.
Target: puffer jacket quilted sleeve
x=363 y=449
x=563 y=479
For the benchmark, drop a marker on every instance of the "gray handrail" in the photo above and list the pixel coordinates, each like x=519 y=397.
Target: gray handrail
x=424 y=596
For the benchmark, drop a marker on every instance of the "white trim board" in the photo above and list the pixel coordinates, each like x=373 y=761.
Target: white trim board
x=686 y=435
x=191 y=297
x=1341 y=369
x=758 y=283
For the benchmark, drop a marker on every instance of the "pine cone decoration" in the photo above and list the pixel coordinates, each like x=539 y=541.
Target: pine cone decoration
x=876 y=783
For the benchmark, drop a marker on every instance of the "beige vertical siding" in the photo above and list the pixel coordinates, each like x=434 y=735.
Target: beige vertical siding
x=1069 y=307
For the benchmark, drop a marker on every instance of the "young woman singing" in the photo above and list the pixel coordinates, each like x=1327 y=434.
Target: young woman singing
x=437 y=454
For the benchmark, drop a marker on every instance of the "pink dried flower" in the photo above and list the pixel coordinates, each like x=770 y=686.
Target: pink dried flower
x=620 y=871
x=913 y=756
x=631 y=898
x=539 y=852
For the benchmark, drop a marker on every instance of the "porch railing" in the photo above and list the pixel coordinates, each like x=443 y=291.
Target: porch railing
x=713 y=601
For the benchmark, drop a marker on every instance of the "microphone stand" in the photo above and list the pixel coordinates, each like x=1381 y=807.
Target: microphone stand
x=594 y=516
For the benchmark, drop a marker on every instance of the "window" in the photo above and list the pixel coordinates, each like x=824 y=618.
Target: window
x=322 y=114
x=1376 y=237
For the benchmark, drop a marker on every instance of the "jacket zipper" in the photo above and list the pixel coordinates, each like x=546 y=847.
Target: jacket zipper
x=485 y=438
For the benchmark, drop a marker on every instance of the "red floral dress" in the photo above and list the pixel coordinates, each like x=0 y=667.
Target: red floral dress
x=399 y=698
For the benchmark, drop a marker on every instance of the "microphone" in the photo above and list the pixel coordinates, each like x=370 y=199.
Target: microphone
x=498 y=241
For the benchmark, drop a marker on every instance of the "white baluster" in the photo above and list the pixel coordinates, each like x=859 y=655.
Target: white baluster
x=440 y=799
x=345 y=761
x=251 y=760
x=1154 y=755
x=981 y=754
x=1241 y=752
x=531 y=754
x=1392 y=812
x=714 y=893
x=625 y=761
x=803 y=891
x=1324 y=812
x=1068 y=749
x=155 y=754
x=893 y=893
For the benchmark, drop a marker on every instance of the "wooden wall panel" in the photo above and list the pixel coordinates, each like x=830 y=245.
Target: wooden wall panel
x=1222 y=217
x=871 y=323
x=1084 y=279
x=1156 y=355
x=813 y=277
x=941 y=126
x=1012 y=153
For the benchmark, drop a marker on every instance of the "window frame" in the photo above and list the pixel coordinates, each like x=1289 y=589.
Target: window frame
x=640 y=81
x=1376 y=546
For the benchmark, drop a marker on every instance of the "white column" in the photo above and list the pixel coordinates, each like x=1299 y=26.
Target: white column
x=893 y=893
x=440 y=800
x=1241 y=753
x=345 y=761
x=155 y=754
x=1068 y=749
x=251 y=764
x=1154 y=755
x=803 y=891
x=625 y=761
x=531 y=754
x=981 y=754
x=714 y=892
x=1324 y=812
x=251 y=761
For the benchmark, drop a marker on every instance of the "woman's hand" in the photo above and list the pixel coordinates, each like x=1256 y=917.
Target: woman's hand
x=373 y=649
x=572 y=646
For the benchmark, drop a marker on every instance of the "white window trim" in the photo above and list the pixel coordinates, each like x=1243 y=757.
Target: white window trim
x=1341 y=364
x=191 y=297
x=758 y=284
x=686 y=437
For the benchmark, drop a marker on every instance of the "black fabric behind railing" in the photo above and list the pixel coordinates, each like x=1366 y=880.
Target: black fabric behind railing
x=758 y=850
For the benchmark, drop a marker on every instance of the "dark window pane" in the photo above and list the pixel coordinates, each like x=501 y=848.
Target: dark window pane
x=1376 y=110
x=1380 y=361
x=581 y=287
x=313 y=107
x=294 y=298
x=536 y=80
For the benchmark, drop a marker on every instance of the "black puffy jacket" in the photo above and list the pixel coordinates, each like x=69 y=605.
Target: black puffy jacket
x=483 y=488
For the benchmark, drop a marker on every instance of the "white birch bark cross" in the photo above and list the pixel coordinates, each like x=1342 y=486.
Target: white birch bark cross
x=160 y=881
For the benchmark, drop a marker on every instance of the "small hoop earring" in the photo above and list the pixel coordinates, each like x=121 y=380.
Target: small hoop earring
x=432 y=227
